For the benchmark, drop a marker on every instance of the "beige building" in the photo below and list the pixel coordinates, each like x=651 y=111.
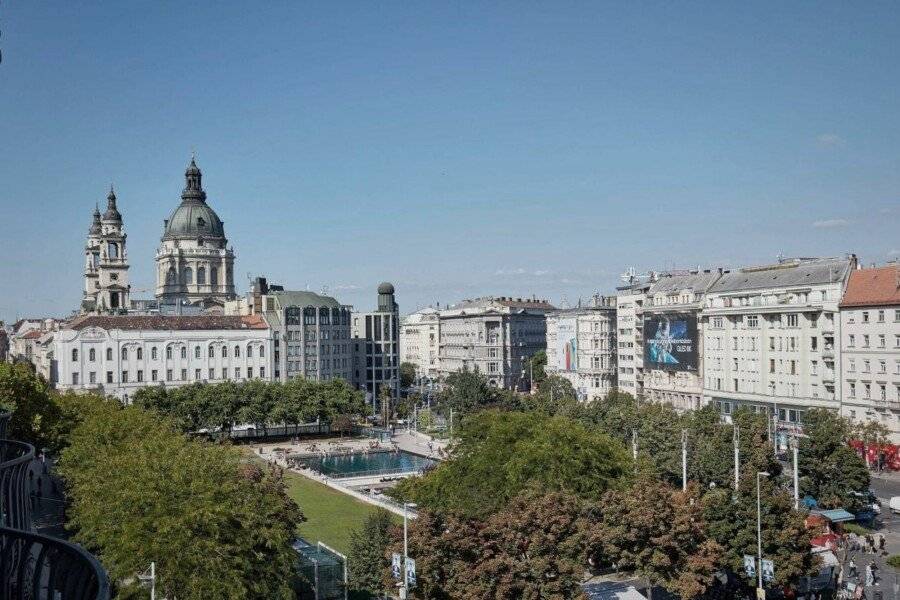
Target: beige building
x=673 y=340
x=870 y=347
x=106 y=287
x=420 y=335
x=769 y=337
x=493 y=336
x=581 y=347
x=630 y=301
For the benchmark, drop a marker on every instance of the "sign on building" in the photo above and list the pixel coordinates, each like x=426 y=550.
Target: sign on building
x=567 y=345
x=670 y=341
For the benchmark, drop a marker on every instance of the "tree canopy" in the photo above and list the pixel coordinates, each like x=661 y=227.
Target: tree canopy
x=829 y=468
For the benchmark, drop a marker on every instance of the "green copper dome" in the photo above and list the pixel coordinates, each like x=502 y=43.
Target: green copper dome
x=193 y=219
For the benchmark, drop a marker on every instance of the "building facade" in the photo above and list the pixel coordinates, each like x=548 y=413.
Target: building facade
x=420 y=336
x=117 y=355
x=106 y=286
x=672 y=339
x=194 y=264
x=581 y=347
x=494 y=336
x=630 y=301
x=376 y=346
x=769 y=337
x=870 y=347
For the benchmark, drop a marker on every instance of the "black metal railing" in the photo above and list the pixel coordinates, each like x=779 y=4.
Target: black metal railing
x=34 y=566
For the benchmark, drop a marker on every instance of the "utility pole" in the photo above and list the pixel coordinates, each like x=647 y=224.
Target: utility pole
x=737 y=457
x=684 y=460
x=795 y=446
x=759 y=531
x=451 y=424
x=634 y=445
x=406 y=507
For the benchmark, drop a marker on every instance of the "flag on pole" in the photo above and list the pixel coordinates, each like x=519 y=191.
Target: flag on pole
x=750 y=566
x=395 y=566
x=410 y=573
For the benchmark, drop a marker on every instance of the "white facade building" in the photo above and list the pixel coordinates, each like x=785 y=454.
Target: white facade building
x=117 y=355
x=671 y=323
x=870 y=347
x=493 y=336
x=630 y=301
x=769 y=338
x=581 y=347
x=106 y=287
x=420 y=337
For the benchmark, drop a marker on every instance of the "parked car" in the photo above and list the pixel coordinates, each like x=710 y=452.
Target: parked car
x=895 y=504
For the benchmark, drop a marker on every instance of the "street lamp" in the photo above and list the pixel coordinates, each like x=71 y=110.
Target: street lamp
x=759 y=526
x=406 y=507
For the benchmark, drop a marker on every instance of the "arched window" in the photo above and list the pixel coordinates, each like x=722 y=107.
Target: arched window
x=262 y=351
x=184 y=352
x=153 y=353
x=249 y=351
x=237 y=351
x=224 y=351
x=214 y=276
x=140 y=354
x=169 y=352
x=212 y=351
x=171 y=276
x=74 y=354
x=112 y=250
x=196 y=351
x=92 y=355
x=109 y=354
x=124 y=353
x=201 y=275
x=188 y=276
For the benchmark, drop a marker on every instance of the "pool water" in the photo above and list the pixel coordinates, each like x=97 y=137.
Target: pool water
x=374 y=463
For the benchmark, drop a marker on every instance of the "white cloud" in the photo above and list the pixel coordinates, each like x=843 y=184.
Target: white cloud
x=894 y=252
x=541 y=272
x=519 y=271
x=829 y=139
x=830 y=223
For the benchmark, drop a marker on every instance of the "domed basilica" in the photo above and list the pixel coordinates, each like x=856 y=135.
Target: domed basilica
x=194 y=264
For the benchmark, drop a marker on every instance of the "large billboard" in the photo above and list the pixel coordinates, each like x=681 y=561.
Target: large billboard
x=567 y=345
x=670 y=342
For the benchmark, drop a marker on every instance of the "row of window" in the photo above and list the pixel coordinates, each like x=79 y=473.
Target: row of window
x=866 y=341
x=170 y=375
x=139 y=353
x=880 y=316
x=867 y=391
x=866 y=366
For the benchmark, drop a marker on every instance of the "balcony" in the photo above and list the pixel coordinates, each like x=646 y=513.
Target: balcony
x=34 y=566
x=828 y=352
x=828 y=376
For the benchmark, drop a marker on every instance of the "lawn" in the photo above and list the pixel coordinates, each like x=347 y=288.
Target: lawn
x=330 y=514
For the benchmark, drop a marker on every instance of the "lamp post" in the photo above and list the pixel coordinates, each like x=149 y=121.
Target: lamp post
x=406 y=507
x=684 y=460
x=795 y=446
x=737 y=457
x=759 y=526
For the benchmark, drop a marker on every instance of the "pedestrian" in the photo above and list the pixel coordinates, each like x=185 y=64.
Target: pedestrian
x=881 y=542
x=870 y=543
x=870 y=575
x=851 y=567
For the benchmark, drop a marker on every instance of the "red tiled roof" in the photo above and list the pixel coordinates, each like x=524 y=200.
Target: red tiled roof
x=878 y=286
x=165 y=323
x=31 y=334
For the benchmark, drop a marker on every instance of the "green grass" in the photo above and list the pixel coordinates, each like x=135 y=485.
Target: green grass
x=330 y=515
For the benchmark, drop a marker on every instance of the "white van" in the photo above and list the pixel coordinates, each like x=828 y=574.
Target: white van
x=895 y=504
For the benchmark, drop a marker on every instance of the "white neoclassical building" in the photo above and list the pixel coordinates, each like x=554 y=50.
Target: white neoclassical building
x=116 y=355
x=420 y=335
x=194 y=263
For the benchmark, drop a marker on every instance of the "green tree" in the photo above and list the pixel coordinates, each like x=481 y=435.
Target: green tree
x=27 y=395
x=465 y=392
x=498 y=455
x=555 y=396
x=368 y=544
x=731 y=521
x=407 y=374
x=215 y=525
x=659 y=533
x=535 y=365
x=829 y=468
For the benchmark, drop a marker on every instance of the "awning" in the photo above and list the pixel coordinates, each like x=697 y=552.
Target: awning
x=836 y=515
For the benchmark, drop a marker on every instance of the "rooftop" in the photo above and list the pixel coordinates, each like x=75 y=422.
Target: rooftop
x=303 y=299
x=786 y=273
x=170 y=323
x=879 y=286
x=698 y=281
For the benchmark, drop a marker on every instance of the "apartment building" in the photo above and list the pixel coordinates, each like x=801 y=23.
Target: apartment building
x=769 y=337
x=420 y=336
x=630 y=301
x=581 y=347
x=492 y=335
x=673 y=338
x=376 y=346
x=870 y=347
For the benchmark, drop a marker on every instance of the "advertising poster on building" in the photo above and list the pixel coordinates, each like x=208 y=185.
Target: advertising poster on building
x=567 y=345
x=670 y=342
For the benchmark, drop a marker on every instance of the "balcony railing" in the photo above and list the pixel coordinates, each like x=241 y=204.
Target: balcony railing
x=34 y=566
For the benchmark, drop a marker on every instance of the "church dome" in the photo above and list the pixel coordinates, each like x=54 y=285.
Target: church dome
x=386 y=288
x=193 y=218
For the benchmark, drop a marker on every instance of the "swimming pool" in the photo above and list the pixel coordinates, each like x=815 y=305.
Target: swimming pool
x=373 y=463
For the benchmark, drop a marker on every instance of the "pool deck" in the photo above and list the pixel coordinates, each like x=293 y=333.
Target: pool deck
x=417 y=443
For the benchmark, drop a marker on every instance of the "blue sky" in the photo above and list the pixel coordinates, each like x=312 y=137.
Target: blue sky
x=455 y=149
